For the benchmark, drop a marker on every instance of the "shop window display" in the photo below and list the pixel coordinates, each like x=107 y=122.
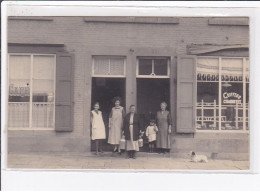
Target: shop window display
x=222 y=93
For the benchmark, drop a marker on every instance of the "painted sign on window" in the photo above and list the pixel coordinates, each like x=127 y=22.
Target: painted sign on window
x=19 y=90
x=231 y=98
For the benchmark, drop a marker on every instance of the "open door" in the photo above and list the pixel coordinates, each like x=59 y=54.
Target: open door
x=103 y=91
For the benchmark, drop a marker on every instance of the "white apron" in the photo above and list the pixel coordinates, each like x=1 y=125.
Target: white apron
x=98 y=127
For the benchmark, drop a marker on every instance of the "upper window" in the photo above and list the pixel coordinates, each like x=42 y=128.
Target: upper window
x=153 y=67
x=222 y=93
x=108 y=66
x=31 y=91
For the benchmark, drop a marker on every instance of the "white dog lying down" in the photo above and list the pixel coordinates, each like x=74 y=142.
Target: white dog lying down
x=198 y=158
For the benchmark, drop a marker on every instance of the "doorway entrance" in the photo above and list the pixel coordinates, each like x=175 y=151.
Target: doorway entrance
x=103 y=91
x=150 y=93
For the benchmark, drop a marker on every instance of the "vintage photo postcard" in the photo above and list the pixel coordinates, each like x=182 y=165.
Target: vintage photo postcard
x=128 y=92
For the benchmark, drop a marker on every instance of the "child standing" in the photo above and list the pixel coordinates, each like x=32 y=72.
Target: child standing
x=151 y=131
x=97 y=127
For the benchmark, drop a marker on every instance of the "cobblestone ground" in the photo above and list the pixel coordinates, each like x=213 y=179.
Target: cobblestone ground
x=144 y=161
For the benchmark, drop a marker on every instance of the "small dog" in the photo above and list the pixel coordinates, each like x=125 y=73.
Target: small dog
x=198 y=158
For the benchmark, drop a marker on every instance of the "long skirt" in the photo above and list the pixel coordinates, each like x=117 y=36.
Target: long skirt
x=163 y=138
x=131 y=144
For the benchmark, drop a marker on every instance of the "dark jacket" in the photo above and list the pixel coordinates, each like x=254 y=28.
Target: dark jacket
x=136 y=127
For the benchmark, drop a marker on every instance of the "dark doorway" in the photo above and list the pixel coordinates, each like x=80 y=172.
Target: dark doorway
x=150 y=93
x=103 y=91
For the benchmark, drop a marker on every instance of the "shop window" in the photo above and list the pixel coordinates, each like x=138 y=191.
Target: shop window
x=108 y=66
x=153 y=67
x=222 y=93
x=31 y=91
x=207 y=93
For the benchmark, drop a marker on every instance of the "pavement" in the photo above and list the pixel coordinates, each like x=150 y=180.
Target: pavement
x=144 y=161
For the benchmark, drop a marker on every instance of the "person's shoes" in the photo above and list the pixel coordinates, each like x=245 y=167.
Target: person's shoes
x=133 y=156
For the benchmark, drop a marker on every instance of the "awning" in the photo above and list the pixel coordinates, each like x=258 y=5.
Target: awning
x=195 y=49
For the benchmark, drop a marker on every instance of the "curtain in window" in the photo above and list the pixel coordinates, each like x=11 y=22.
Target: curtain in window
x=19 y=90
x=101 y=66
x=43 y=91
x=116 y=66
x=109 y=65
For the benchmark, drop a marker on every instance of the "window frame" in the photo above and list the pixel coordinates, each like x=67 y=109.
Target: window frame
x=31 y=91
x=244 y=82
x=109 y=57
x=152 y=75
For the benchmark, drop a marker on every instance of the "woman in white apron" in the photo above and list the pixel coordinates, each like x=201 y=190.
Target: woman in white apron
x=116 y=118
x=97 y=127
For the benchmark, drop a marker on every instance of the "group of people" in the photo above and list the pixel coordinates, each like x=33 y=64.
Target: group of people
x=128 y=125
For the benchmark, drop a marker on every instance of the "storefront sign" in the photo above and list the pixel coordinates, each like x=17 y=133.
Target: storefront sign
x=231 y=98
x=19 y=90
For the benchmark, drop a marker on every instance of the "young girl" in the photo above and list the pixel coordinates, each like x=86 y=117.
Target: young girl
x=97 y=127
x=151 y=131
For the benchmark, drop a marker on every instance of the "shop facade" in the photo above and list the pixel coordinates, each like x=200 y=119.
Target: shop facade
x=59 y=66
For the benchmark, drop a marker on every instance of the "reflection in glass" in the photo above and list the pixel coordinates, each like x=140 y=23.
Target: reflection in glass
x=145 y=66
x=160 y=66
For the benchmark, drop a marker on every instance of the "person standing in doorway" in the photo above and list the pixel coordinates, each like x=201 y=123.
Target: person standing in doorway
x=131 y=132
x=164 y=123
x=98 y=132
x=150 y=132
x=116 y=118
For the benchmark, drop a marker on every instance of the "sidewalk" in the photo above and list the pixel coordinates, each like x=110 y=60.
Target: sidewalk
x=144 y=161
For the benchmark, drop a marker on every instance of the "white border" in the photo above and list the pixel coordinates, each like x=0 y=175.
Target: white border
x=122 y=181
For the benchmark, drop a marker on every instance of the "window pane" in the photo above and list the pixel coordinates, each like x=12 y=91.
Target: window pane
x=207 y=105
x=232 y=69
x=247 y=106
x=145 y=66
x=19 y=90
x=43 y=67
x=18 y=114
x=117 y=66
x=105 y=65
x=207 y=69
x=43 y=91
x=43 y=78
x=247 y=70
x=19 y=67
x=247 y=93
x=232 y=106
x=161 y=66
x=42 y=116
x=101 y=66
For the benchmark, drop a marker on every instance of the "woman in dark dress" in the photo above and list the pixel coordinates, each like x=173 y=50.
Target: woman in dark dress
x=131 y=132
x=164 y=122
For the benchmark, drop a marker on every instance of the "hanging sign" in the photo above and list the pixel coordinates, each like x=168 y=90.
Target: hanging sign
x=19 y=90
x=231 y=98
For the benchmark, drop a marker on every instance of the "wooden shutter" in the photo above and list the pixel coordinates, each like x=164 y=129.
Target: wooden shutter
x=64 y=91
x=186 y=94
